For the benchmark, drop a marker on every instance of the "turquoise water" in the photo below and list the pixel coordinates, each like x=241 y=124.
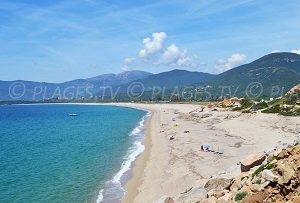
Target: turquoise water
x=48 y=156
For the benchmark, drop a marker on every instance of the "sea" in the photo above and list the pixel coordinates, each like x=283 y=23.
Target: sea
x=46 y=155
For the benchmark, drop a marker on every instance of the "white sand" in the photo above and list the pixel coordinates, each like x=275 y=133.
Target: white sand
x=168 y=167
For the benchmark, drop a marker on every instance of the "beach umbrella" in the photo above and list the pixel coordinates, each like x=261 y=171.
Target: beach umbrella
x=206 y=147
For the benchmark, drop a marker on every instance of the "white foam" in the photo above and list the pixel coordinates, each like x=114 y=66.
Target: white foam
x=137 y=149
x=100 y=196
x=130 y=157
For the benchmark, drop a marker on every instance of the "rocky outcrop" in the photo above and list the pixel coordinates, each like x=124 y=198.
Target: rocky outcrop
x=296 y=88
x=269 y=176
x=275 y=179
x=218 y=184
x=251 y=161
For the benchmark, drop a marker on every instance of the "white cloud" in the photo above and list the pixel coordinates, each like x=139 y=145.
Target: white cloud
x=174 y=57
x=171 y=54
x=233 y=61
x=155 y=53
x=153 y=45
x=296 y=51
x=128 y=60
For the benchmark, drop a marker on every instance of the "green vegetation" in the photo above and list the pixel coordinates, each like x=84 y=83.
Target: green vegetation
x=261 y=168
x=273 y=109
x=246 y=111
x=258 y=181
x=240 y=196
x=246 y=103
x=261 y=105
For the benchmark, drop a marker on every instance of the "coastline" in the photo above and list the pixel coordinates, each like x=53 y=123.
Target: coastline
x=139 y=164
x=118 y=182
x=167 y=168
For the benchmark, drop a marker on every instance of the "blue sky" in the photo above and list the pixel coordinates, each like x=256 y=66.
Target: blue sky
x=55 y=41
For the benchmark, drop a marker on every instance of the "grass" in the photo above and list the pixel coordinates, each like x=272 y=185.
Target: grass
x=240 y=196
x=261 y=168
x=258 y=181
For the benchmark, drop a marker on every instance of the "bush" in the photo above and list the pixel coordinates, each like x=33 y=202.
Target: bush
x=273 y=109
x=261 y=168
x=258 y=181
x=262 y=105
x=291 y=99
x=240 y=196
x=246 y=103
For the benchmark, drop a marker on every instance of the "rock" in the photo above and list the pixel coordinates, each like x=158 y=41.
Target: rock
x=296 y=200
x=216 y=193
x=251 y=161
x=270 y=159
x=218 y=184
x=236 y=185
x=169 y=200
x=287 y=173
x=209 y=200
x=226 y=197
x=256 y=198
x=296 y=150
x=269 y=175
x=161 y=200
x=259 y=187
x=283 y=154
x=196 y=194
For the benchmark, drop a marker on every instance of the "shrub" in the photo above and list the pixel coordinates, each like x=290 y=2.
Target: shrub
x=273 y=109
x=262 y=105
x=258 y=181
x=246 y=103
x=261 y=168
x=240 y=196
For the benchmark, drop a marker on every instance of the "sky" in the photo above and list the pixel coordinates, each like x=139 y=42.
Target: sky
x=61 y=40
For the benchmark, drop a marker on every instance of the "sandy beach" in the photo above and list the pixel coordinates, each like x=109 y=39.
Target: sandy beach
x=169 y=167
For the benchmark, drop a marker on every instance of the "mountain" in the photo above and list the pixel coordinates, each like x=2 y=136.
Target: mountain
x=271 y=75
x=28 y=90
x=174 y=78
x=110 y=79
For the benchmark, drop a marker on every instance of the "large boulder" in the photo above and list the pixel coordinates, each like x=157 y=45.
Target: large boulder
x=258 y=197
x=251 y=161
x=218 y=184
x=287 y=173
x=269 y=175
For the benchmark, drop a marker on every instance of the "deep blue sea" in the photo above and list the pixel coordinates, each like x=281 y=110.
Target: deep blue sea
x=48 y=156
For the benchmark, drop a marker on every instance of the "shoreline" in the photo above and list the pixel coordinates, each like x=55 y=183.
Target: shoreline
x=167 y=167
x=130 y=158
x=131 y=187
x=138 y=164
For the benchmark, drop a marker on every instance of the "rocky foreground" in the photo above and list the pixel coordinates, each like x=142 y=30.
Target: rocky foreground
x=273 y=177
